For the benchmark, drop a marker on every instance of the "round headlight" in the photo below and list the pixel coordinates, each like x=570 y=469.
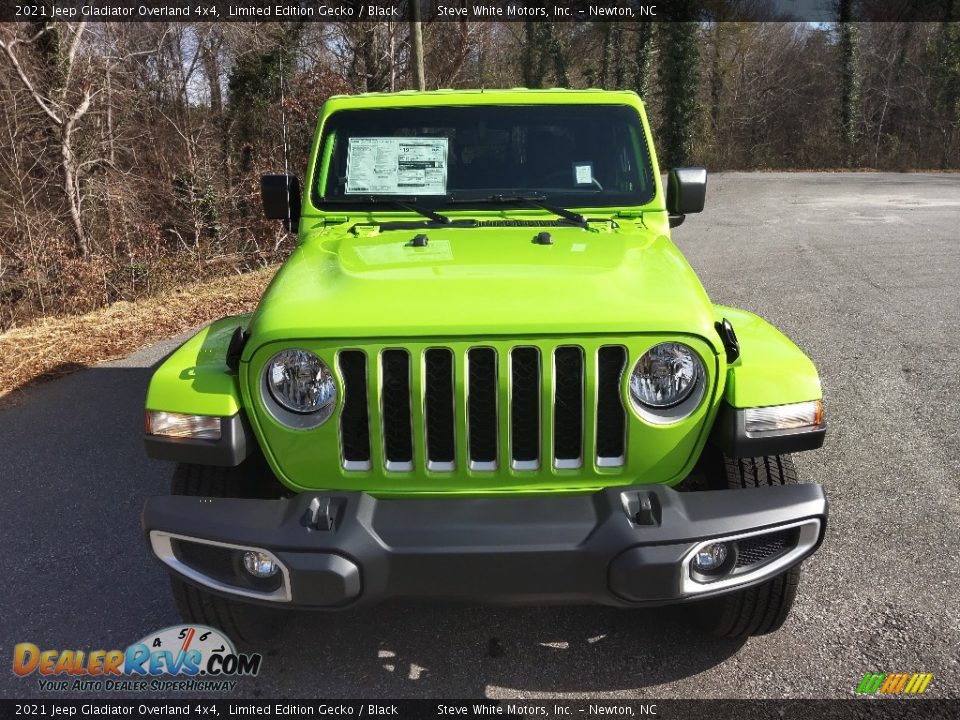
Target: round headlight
x=301 y=382
x=665 y=375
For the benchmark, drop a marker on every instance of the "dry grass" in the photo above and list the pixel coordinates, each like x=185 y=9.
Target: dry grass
x=53 y=347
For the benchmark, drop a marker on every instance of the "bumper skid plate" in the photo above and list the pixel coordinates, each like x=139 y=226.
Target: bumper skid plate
x=621 y=546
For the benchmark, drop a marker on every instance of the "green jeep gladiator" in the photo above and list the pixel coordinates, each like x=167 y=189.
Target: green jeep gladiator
x=485 y=374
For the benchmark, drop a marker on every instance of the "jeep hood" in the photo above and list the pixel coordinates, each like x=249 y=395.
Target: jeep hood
x=478 y=282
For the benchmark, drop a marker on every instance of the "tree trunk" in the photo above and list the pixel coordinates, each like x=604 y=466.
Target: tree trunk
x=605 y=55
x=643 y=59
x=716 y=77
x=618 y=57
x=416 y=45
x=559 y=56
x=64 y=120
x=680 y=83
x=211 y=68
x=533 y=69
x=849 y=81
x=70 y=187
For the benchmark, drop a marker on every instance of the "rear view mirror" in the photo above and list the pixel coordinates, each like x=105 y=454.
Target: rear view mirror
x=281 y=198
x=686 y=193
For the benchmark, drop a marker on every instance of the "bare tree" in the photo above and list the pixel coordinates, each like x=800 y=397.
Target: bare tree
x=849 y=49
x=416 y=45
x=63 y=110
x=130 y=153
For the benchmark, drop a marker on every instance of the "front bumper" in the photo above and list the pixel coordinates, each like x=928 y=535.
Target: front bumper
x=623 y=546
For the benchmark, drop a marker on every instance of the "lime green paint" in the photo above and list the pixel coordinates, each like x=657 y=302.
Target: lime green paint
x=476 y=282
x=619 y=281
x=771 y=370
x=310 y=459
x=194 y=379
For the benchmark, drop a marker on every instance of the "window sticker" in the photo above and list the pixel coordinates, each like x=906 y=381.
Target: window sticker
x=583 y=173
x=397 y=166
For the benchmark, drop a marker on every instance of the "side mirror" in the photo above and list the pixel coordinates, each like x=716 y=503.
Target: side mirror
x=281 y=198
x=686 y=193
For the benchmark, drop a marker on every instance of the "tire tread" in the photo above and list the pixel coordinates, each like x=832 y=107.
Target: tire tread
x=242 y=622
x=763 y=608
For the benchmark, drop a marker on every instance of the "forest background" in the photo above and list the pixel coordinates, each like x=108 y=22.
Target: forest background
x=130 y=153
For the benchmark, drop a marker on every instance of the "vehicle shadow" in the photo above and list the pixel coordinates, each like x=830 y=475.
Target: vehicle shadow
x=72 y=453
x=469 y=651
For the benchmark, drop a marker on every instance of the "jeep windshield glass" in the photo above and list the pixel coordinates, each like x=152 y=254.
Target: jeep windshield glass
x=589 y=156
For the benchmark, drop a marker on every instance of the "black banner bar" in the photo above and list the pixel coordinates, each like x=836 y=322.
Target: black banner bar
x=883 y=708
x=468 y=10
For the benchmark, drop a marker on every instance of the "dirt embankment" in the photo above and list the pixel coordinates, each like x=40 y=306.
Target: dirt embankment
x=53 y=347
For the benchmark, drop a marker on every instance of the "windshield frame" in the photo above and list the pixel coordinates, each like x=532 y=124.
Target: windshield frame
x=588 y=199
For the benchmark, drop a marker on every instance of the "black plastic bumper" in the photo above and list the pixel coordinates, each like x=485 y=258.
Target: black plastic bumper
x=620 y=546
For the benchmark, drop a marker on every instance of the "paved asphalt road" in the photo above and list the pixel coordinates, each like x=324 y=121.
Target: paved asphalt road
x=861 y=270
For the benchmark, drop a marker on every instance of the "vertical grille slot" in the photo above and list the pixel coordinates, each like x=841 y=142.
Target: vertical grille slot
x=438 y=409
x=525 y=408
x=611 y=414
x=354 y=418
x=395 y=410
x=482 y=408
x=568 y=407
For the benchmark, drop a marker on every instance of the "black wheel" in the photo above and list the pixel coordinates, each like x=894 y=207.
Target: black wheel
x=244 y=623
x=763 y=608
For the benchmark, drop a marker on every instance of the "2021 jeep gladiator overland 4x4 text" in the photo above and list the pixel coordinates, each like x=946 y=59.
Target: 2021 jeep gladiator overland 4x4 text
x=485 y=373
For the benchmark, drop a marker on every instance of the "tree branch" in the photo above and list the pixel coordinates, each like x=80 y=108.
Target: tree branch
x=34 y=93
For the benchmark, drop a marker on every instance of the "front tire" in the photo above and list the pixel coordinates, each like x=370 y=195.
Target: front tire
x=244 y=623
x=763 y=608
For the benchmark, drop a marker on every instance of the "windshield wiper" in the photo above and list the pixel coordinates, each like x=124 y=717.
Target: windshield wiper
x=405 y=203
x=535 y=200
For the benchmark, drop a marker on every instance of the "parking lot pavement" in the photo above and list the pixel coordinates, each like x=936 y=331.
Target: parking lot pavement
x=862 y=271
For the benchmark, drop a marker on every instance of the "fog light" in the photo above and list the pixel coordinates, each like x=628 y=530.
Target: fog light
x=710 y=558
x=259 y=564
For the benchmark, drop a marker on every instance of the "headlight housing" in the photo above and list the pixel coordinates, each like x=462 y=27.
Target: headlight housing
x=665 y=376
x=301 y=383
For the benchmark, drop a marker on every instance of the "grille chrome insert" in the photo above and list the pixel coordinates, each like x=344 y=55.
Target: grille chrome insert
x=608 y=462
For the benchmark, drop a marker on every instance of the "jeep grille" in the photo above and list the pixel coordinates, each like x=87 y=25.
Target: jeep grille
x=489 y=408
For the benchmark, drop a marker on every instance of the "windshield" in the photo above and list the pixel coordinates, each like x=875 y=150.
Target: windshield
x=571 y=155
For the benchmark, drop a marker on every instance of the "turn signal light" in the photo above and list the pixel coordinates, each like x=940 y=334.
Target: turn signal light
x=784 y=417
x=177 y=425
